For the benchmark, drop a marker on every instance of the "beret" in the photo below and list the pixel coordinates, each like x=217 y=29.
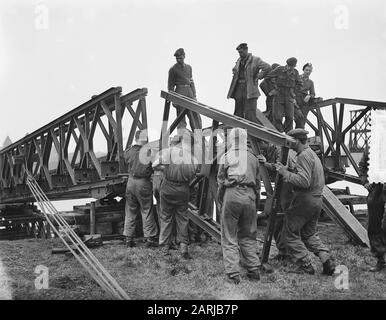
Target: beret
x=179 y=52
x=297 y=133
x=242 y=46
x=292 y=61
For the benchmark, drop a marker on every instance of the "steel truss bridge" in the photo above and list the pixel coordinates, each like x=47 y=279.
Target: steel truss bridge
x=80 y=172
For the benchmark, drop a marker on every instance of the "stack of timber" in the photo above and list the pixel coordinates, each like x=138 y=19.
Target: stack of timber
x=109 y=218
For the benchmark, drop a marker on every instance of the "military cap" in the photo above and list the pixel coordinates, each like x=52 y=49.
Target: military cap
x=292 y=61
x=298 y=133
x=179 y=52
x=242 y=46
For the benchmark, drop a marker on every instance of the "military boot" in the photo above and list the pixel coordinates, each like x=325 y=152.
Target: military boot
x=328 y=267
x=184 y=251
x=253 y=275
x=129 y=242
x=151 y=243
x=235 y=279
x=381 y=264
x=304 y=266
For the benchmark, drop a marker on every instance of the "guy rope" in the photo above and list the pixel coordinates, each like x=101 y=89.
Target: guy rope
x=80 y=251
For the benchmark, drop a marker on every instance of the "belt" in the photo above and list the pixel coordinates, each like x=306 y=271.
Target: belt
x=241 y=186
x=177 y=182
x=139 y=177
x=183 y=85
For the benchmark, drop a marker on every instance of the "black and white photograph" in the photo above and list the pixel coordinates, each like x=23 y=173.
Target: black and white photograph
x=192 y=155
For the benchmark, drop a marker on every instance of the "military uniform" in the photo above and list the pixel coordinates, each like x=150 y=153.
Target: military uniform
x=180 y=80
x=239 y=187
x=307 y=88
x=376 y=229
x=267 y=86
x=244 y=86
x=286 y=81
x=139 y=196
x=301 y=217
x=175 y=196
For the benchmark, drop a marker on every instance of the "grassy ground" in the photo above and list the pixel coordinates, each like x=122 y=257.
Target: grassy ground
x=147 y=274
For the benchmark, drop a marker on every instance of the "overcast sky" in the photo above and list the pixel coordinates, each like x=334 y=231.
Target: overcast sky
x=54 y=55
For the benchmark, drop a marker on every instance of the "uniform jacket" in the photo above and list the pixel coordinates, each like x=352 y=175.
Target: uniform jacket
x=134 y=159
x=180 y=165
x=238 y=167
x=284 y=80
x=309 y=176
x=252 y=74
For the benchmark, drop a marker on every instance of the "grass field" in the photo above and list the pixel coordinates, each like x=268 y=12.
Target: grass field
x=148 y=274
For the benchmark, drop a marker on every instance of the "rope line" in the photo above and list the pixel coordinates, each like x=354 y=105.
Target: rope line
x=81 y=252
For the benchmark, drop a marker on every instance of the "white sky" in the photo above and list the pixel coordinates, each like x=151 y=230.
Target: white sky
x=90 y=46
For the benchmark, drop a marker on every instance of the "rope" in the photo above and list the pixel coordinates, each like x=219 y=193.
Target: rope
x=83 y=254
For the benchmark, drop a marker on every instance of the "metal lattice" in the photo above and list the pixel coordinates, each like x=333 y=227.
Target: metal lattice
x=359 y=134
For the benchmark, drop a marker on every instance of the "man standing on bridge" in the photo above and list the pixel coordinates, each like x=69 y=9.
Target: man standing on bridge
x=376 y=229
x=287 y=81
x=139 y=193
x=244 y=86
x=180 y=80
x=301 y=217
x=239 y=193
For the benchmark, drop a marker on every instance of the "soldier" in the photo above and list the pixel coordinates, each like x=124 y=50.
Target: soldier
x=376 y=229
x=301 y=218
x=139 y=194
x=238 y=195
x=267 y=86
x=286 y=80
x=244 y=87
x=304 y=97
x=179 y=169
x=180 y=80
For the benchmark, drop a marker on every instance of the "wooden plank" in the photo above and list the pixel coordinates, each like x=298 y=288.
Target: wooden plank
x=264 y=120
x=351 y=199
x=254 y=129
x=92 y=218
x=338 y=212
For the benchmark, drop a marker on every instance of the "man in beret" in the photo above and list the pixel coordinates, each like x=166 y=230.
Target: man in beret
x=244 y=86
x=286 y=81
x=301 y=217
x=180 y=80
